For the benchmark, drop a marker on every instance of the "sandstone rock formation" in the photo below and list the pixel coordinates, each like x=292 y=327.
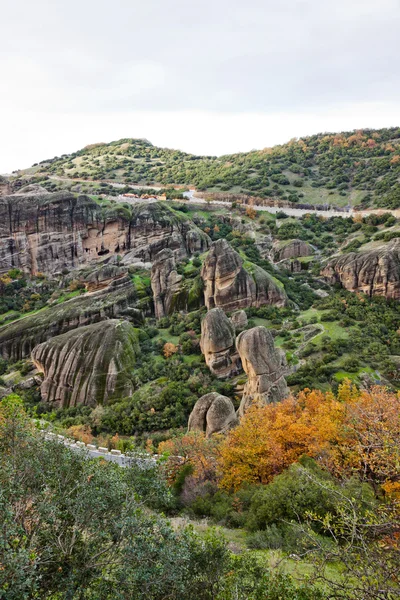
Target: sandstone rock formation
x=106 y=275
x=291 y=249
x=50 y=232
x=264 y=366
x=165 y=282
x=155 y=226
x=88 y=365
x=17 y=339
x=373 y=272
x=218 y=344
x=32 y=188
x=239 y=320
x=230 y=286
x=212 y=413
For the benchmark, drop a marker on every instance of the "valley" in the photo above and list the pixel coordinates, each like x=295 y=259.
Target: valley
x=228 y=329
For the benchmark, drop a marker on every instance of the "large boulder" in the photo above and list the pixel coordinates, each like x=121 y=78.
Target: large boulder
x=373 y=272
x=217 y=343
x=291 y=249
x=213 y=413
x=89 y=365
x=227 y=284
x=239 y=320
x=264 y=366
x=165 y=282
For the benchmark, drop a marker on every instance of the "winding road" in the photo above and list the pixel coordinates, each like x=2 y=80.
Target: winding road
x=291 y=211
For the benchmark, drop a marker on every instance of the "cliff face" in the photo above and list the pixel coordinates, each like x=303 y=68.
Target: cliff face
x=46 y=233
x=50 y=232
x=264 y=366
x=230 y=286
x=88 y=365
x=373 y=272
x=165 y=282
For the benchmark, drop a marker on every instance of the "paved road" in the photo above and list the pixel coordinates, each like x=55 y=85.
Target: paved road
x=298 y=212
x=91 y=451
x=292 y=212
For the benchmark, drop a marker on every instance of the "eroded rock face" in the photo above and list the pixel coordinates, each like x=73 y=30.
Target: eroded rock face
x=165 y=282
x=373 y=272
x=105 y=276
x=291 y=249
x=239 y=320
x=17 y=339
x=213 y=413
x=218 y=344
x=264 y=366
x=50 y=232
x=88 y=365
x=229 y=286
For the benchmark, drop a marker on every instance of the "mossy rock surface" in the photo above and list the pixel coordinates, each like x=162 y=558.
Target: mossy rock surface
x=17 y=339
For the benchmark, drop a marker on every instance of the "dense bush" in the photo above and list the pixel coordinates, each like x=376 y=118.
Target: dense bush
x=75 y=528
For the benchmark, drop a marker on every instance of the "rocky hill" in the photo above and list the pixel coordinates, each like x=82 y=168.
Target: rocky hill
x=329 y=168
x=373 y=272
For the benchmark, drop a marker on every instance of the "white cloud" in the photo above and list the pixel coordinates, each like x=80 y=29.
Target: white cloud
x=206 y=76
x=32 y=137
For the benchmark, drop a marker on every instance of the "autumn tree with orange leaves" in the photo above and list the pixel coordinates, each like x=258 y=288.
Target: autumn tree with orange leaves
x=192 y=449
x=369 y=443
x=169 y=349
x=270 y=438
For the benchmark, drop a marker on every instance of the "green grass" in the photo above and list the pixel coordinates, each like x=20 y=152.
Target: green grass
x=67 y=296
x=311 y=312
x=190 y=358
x=306 y=259
x=341 y=375
x=334 y=330
x=7 y=316
x=163 y=334
x=323 y=196
x=261 y=322
x=331 y=328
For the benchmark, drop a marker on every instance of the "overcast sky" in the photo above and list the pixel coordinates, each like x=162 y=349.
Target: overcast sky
x=209 y=76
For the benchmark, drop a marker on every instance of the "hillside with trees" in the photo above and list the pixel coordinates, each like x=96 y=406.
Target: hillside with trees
x=350 y=168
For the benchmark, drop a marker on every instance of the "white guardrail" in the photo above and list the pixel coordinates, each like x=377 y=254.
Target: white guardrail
x=92 y=451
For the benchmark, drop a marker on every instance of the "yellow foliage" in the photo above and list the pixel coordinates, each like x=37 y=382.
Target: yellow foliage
x=81 y=433
x=195 y=449
x=251 y=212
x=169 y=349
x=272 y=437
x=354 y=432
